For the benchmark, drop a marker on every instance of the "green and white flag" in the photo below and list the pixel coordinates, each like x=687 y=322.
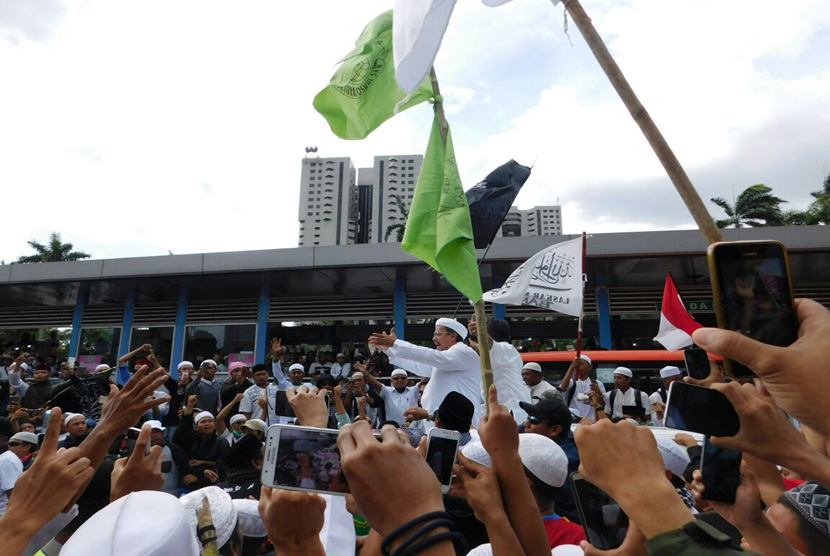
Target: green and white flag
x=362 y=93
x=438 y=229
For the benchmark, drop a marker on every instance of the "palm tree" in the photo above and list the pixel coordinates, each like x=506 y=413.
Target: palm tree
x=401 y=226
x=54 y=251
x=755 y=206
x=819 y=210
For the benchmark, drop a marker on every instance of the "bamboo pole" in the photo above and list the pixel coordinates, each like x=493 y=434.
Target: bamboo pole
x=661 y=148
x=481 y=318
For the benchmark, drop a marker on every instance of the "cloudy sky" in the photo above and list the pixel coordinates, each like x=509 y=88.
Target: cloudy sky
x=138 y=128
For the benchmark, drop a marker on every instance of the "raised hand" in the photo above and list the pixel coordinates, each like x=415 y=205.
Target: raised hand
x=382 y=340
x=309 y=405
x=293 y=521
x=140 y=471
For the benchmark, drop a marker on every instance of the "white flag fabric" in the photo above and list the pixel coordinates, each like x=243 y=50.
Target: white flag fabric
x=551 y=279
x=676 y=324
x=418 y=28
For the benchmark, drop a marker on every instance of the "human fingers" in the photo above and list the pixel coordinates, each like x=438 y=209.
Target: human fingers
x=422 y=447
x=469 y=465
x=53 y=431
x=346 y=442
x=811 y=315
x=389 y=433
x=756 y=355
x=142 y=441
x=362 y=434
x=493 y=396
x=733 y=392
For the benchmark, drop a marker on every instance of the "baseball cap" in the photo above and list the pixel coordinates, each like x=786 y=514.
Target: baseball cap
x=550 y=410
x=256 y=425
x=29 y=437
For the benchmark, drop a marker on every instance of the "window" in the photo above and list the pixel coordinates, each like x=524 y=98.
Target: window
x=219 y=342
x=160 y=337
x=102 y=343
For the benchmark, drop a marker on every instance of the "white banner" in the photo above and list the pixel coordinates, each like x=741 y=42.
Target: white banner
x=550 y=279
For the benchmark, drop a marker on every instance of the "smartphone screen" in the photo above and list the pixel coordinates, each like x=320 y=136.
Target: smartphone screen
x=721 y=470
x=697 y=363
x=604 y=521
x=753 y=294
x=441 y=453
x=701 y=410
x=303 y=458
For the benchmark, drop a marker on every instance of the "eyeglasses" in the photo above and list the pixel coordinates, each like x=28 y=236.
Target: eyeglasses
x=434 y=334
x=14 y=443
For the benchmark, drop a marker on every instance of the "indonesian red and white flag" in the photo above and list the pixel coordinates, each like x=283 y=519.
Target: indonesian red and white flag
x=676 y=324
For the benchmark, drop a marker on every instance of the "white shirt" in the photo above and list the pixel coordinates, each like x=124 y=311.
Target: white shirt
x=396 y=403
x=627 y=398
x=457 y=369
x=655 y=397
x=581 y=408
x=507 y=376
x=344 y=370
x=10 y=469
x=250 y=403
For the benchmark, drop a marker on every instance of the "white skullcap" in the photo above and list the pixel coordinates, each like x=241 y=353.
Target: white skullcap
x=296 y=366
x=567 y=550
x=222 y=510
x=184 y=364
x=102 y=367
x=155 y=425
x=675 y=456
x=454 y=325
x=127 y=528
x=533 y=367
x=256 y=425
x=70 y=416
x=202 y=415
x=669 y=371
x=625 y=371
x=586 y=358
x=357 y=373
x=250 y=522
x=475 y=451
x=237 y=418
x=24 y=366
x=29 y=437
x=399 y=372
x=544 y=458
x=481 y=550
x=210 y=362
x=343 y=355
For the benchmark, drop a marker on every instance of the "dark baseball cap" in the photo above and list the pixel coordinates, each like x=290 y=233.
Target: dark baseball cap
x=552 y=411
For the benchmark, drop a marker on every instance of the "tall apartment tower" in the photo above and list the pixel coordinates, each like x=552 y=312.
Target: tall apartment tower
x=537 y=221
x=328 y=201
x=393 y=180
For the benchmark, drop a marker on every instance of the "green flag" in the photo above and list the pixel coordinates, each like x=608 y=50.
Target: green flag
x=439 y=230
x=363 y=94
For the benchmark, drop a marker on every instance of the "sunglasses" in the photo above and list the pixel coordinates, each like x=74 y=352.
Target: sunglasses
x=15 y=443
x=535 y=421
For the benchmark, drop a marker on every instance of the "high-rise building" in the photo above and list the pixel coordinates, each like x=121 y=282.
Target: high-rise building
x=328 y=202
x=340 y=205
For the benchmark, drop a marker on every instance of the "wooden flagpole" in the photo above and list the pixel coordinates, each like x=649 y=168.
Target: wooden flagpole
x=481 y=318
x=582 y=305
x=661 y=148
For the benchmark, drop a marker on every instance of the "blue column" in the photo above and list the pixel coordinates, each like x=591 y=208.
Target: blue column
x=603 y=311
x=178 y=333
x=261 y=343
x=127 y=325
x=498 y=308
x=75 y=338
x=400 y=308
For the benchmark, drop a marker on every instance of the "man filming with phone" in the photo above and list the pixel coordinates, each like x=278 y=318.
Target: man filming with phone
x=207 y=389
x=578 y=389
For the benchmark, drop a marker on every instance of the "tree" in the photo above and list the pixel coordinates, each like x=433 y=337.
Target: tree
x=819 y=210
x=54 y=251
x=755 y=206
x=400 y=226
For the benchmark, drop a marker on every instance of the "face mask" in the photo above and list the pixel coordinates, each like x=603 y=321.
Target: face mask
x=237 y=434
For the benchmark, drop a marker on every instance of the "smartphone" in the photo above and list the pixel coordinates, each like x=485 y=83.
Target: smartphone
x=752 y=294
x=721 y=470
x=442 y=449
x=132 y=434
x=603 y=520
x=697 y=363
x=303 y=458
x=701 y=410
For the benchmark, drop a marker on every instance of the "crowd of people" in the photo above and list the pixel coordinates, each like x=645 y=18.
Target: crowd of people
x=129 y=460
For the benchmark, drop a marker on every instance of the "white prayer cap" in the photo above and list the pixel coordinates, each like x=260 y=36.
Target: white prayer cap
x=624 y=371
x=29 y=437
x=184 y=364
x=24 y=366
x=343 y=355
x=155 y=425
x=669 y=371
x=675 y=456
x=475 y=451
x=481 y=550
x=357 y=373
x=399 y=372
x=127 y=528
x=250 y=522
x=586 y=358
x=70 y=416
x=256 y=425
x=544 y=458
x=210 y=362
x=202 y=415
x=296 y=367
x=222 y=510
x=454 y=325
x=237 y=418
x=533 y=367
x=567 y=550
x=102 y=367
